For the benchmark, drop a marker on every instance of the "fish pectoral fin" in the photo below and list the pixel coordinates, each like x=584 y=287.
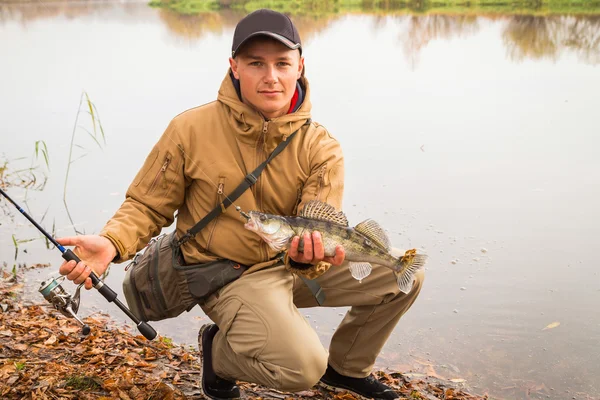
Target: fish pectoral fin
x=360 y=270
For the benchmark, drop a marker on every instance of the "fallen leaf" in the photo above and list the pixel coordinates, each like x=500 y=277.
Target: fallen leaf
x=552 y=325
x=20 y=347
x=6 y=333
x=51 y=340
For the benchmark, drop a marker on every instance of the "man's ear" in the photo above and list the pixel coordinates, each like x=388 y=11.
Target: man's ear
x=234 y=68
x=300 y=68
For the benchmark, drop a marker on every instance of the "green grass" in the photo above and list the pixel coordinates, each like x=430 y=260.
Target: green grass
x=81 y=382
x=322 y=8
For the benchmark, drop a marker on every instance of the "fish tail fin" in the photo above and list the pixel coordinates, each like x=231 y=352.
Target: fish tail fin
x=408 y=265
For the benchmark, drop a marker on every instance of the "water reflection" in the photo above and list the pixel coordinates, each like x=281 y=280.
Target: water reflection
x=424 y=29
x=195 y=26
x=524 y=36
x=529 y=37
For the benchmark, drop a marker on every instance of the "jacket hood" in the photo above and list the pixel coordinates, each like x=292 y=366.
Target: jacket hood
x=248 y=123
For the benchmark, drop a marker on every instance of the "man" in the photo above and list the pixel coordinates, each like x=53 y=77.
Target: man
x=259 y=335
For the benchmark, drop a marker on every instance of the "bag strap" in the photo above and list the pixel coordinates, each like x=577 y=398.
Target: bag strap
x=248 y=181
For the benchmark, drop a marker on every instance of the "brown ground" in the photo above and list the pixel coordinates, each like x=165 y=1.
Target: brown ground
x=44 y=356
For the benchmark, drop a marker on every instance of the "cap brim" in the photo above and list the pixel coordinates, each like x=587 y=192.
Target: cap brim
x=276 y=36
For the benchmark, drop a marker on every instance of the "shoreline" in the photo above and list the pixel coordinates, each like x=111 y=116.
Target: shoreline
x=43 y=355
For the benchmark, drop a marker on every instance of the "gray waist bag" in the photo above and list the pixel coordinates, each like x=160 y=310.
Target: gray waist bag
x=158 y=285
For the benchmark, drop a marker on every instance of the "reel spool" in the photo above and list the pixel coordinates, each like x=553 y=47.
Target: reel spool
x=62 y=301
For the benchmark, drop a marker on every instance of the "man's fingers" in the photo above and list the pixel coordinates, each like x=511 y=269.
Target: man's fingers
x=308 y=247
x=340 y=255
x=68 y=241
x=83 y=276
x=318 y=250
x=75 y=272
x=66 y=267
x=88 y=283
x=293 y=250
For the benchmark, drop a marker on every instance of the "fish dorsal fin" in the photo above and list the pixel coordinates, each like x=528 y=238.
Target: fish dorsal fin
x=375 y=233
x=316 y=209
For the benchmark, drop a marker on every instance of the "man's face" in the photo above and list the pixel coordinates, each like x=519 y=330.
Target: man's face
x=267 y=71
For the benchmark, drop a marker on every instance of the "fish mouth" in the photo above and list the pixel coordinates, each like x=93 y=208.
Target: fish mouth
x=250 y=225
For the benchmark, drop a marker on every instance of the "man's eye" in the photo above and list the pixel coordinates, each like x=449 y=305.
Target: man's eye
x=256 y=63
x=284 y=64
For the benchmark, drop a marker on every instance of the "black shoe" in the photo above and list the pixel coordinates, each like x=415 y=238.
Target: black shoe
x=365 y=388
x=213 y=387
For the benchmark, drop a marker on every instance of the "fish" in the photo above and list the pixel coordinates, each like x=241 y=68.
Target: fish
x=364 y=244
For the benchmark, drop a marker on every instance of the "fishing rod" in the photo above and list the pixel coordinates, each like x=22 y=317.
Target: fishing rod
x=62 y=301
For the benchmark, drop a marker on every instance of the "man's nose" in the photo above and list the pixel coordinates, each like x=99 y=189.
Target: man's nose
x=271 y=75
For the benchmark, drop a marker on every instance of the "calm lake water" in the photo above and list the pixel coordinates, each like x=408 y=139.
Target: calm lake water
x=472 y=137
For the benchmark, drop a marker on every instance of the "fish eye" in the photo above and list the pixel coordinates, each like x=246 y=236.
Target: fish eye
x=263 y=217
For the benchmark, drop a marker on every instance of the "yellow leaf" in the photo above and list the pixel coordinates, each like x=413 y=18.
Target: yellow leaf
x=552 y=325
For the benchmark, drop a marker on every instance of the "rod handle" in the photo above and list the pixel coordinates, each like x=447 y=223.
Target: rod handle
x=104 y=290
x=146 y=330
x=110 y=295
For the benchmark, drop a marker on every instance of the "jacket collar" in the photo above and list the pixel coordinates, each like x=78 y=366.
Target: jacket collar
x=248 y=124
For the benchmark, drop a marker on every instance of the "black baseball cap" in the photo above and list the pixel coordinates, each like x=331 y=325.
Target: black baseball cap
x=266 y=22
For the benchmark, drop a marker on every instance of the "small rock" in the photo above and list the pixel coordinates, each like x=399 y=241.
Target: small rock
x=453 y=261
x=455 y=311
x=483 y=250
x=463 y=288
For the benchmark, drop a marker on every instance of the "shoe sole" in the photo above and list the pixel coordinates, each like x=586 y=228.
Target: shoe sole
x=200 y=355
x=339 y=389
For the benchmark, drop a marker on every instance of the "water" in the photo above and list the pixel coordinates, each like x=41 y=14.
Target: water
x=460 y=133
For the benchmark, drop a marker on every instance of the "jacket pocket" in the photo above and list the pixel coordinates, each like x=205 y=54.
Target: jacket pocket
x=160 y=179
x=219 y=202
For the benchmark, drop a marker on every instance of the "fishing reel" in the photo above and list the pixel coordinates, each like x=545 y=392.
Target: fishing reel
x=62 y=301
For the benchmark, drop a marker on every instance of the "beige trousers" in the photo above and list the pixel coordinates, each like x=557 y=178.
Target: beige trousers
x=264 y=339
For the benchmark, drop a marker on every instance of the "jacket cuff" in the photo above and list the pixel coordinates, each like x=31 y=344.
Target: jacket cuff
x=308 y=271
x=118 y=246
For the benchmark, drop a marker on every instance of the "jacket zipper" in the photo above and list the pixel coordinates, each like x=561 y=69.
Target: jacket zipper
x=220 y=197
x=262 y=248
x=160 y=173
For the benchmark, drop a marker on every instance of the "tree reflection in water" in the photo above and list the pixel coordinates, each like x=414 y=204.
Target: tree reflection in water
x=524 y=36
x=422 y=29
x=530 y=37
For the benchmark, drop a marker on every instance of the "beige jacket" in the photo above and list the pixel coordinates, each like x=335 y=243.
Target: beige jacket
x=203 y=155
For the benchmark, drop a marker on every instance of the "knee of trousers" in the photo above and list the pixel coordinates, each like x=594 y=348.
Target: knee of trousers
x=418 y=282
x=303 y=370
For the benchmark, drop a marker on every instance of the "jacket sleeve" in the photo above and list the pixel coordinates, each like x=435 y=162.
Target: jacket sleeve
x=152 y=198
x=325 y=183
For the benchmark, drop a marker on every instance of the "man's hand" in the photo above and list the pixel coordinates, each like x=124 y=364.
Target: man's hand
x=96 y=252
x=314 y=251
